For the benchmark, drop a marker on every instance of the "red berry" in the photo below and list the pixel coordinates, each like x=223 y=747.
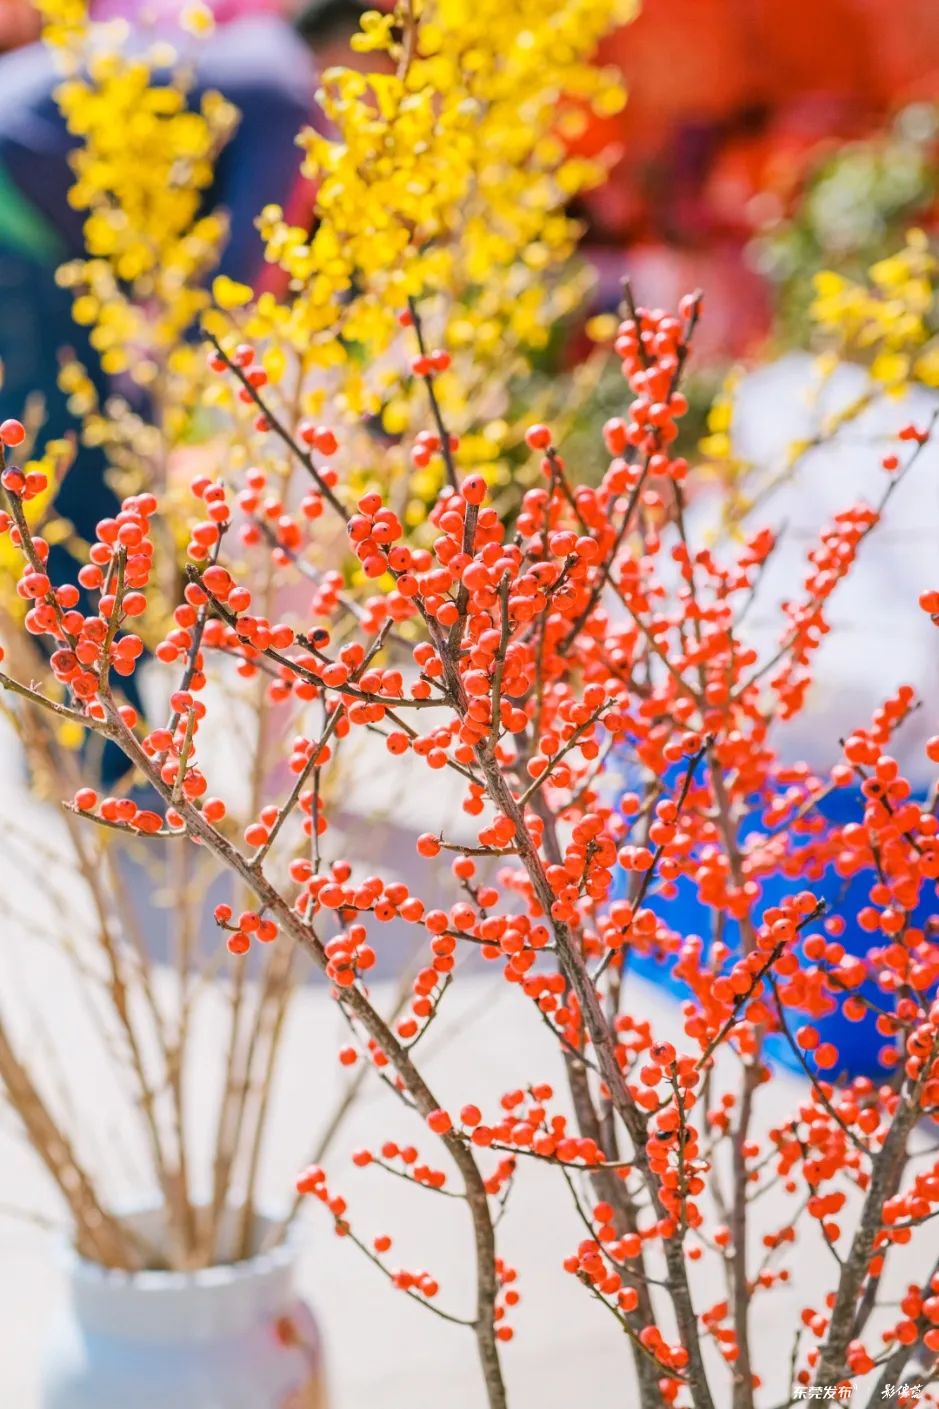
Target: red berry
x=538 y=437
x=12 y=432
x=325 y=441
x=310 y=1180
x=473 y=489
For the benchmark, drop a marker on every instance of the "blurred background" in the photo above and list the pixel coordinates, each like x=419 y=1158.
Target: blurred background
x=762 y=139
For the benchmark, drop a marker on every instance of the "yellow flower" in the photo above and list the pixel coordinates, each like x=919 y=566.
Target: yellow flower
x=197 y=18
x=446 y=180
x=229 y=294
x=448 y=184
x=142 y=167
x=885 y=320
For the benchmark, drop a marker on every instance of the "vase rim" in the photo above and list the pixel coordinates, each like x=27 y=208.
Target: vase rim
x=156 y=1281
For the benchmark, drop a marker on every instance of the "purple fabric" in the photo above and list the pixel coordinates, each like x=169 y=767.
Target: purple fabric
x=167 y=11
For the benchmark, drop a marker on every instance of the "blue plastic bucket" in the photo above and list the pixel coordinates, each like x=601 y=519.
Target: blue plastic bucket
x=858 y=1043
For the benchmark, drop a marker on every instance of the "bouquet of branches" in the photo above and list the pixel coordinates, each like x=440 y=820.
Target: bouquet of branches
x=125 y=928
x=517 y=658
x=517 y=654
x=132 y=920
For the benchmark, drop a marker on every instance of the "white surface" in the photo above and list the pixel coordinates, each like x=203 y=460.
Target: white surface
x=879 y=639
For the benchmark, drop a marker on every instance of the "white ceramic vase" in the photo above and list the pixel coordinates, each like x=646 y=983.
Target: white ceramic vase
x=228 y=1337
